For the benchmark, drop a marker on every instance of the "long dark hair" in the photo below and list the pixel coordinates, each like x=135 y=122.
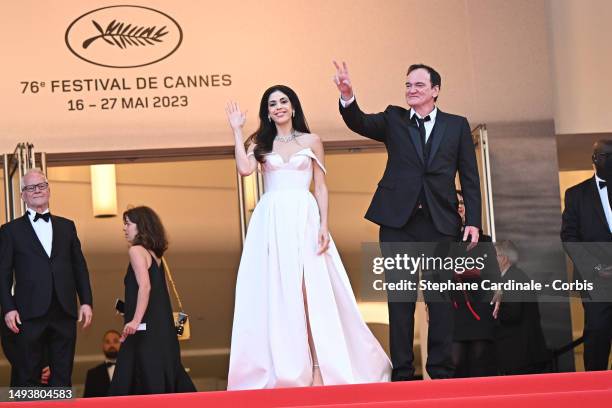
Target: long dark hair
x=264 y=136
x=151 y=233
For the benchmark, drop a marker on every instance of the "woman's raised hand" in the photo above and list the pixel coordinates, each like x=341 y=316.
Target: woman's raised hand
x=235 y=117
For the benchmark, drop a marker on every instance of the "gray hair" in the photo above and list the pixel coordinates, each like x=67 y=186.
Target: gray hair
x=508 y=249
x=34 y=170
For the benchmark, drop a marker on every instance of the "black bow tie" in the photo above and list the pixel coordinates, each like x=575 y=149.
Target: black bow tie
x=45 y=216
x=110 y=364
x=419 y=122
x=602 y=184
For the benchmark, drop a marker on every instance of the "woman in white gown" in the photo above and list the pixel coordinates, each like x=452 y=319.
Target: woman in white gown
x=296 y=321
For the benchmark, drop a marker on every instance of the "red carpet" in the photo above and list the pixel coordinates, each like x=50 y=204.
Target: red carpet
x=582 y=390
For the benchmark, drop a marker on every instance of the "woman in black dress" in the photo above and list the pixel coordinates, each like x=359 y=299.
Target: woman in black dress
x=475 y=312
x=149 y=360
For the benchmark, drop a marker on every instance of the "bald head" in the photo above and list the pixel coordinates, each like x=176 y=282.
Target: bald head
x=602 y=146
x=602 y=158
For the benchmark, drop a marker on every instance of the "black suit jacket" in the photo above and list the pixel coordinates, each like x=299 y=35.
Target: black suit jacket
x=406 y=173
x=520 y=342
x=585 y=233
x=36 y=275
x=97 y=382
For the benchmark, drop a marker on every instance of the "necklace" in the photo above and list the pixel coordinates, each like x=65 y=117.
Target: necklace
x=288 y=138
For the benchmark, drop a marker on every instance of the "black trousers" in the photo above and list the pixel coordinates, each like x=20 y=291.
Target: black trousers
x=420 y=228
x=46 y=340
x=597 y=335
x=9 y=347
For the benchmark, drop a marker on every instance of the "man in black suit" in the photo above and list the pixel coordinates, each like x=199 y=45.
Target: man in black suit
x=41 y=254
x=586 y=233
x=99 y=378
x=415 y=200
x=519 y=339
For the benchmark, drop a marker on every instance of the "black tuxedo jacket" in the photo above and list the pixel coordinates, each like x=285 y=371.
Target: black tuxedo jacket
x=36 y=274
x=97 y=382
x=521 y=346
x=407 y=173
x=584 y=221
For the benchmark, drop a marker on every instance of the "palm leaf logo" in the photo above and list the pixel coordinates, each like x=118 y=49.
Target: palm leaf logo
x=124 y=35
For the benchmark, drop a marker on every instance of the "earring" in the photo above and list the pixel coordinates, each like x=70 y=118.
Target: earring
x=293 y=114
x=269 y=118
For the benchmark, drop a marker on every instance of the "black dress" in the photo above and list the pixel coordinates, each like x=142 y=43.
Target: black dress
x=473 y=310
x=474 y=325
x=149 y=361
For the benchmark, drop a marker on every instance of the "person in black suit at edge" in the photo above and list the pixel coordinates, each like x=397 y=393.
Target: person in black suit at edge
x=586 y=235
x=98 y=379
x=42 y=254
x=415 y=200
x=519 y=339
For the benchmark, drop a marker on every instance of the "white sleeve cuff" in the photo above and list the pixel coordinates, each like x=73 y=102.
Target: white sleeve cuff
x=347 y=103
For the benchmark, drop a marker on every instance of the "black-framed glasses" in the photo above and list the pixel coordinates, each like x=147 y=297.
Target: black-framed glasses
x=33 y=187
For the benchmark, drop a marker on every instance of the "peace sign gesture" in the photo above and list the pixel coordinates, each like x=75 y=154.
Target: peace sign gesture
x=342 y=81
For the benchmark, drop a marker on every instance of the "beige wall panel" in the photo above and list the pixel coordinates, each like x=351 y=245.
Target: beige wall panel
x=582 y=64
x=478 y=47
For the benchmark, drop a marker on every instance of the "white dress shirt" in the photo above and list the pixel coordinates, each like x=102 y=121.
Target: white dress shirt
x=428 y=125
x=43 y=230
x=110 y=369
x=603 y=196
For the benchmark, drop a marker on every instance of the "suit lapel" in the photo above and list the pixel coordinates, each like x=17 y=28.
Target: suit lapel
x=437 y=134
x=27 y=226
x=55 y=242
x=415 y=137
x=597 y=199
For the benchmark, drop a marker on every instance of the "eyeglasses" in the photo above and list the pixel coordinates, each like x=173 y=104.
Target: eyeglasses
x=32 y=188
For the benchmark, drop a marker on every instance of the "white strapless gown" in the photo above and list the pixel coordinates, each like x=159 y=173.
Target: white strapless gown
x=269 y=337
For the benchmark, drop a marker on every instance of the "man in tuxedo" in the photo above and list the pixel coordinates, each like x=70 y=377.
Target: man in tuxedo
x=41 y=254
x=99 y=378
x=586 y=233
x=415 y=200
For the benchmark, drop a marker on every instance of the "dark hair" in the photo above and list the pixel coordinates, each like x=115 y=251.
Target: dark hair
x=459 y=193
x=111 y=331
x=434 y=76
x=151 y=234
x=264 y=136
